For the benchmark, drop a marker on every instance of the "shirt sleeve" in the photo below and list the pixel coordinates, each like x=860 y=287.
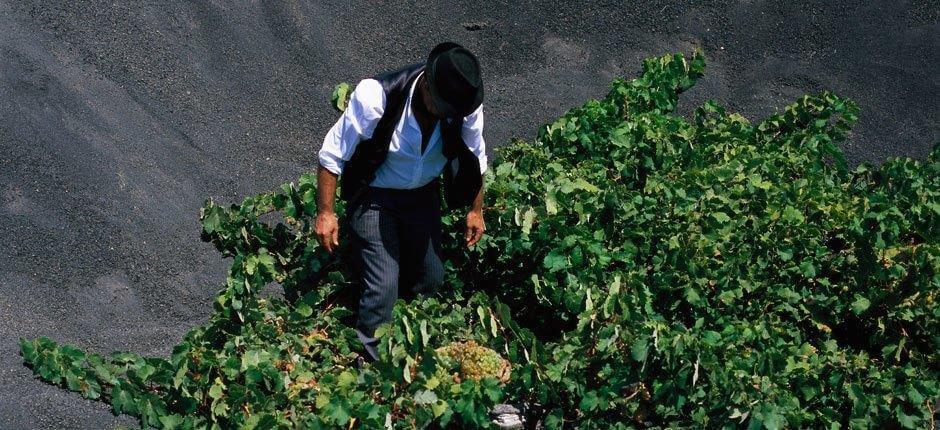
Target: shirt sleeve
x=472 y=134
x=358 y=122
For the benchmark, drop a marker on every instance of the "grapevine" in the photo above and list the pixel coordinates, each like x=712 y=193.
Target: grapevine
x=640 y=269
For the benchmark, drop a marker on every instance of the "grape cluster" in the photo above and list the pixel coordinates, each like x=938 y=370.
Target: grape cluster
x=472 y=361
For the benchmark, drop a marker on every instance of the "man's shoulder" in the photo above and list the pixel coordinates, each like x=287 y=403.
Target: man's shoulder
x=373 y=93
x=369 y=94
x=399 y=76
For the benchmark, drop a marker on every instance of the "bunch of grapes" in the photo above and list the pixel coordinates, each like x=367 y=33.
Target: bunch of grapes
x=472 y=361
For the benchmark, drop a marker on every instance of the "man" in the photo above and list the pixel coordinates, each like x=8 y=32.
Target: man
x=399 y=132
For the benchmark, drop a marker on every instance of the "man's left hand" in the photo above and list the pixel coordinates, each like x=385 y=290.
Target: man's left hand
x=475 y=227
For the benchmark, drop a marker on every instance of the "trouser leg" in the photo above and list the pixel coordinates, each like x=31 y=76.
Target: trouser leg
x=396 y=247
x=375 y=254
x=422 y=270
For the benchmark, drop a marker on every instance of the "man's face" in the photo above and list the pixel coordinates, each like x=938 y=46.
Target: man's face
x=428 y=100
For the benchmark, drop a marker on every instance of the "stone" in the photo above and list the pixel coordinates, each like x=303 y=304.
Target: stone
x=506 y=416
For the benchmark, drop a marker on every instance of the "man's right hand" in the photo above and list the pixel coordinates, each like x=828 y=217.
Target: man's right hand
x=327 y=230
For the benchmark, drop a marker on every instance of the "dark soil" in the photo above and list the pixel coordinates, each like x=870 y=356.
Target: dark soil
x=117 y=120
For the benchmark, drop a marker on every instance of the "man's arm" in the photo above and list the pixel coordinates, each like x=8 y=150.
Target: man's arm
x=327 y=227
x=472 y=134
x=358 y=122
x=475 y=224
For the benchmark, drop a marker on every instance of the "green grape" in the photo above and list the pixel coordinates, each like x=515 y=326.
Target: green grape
x=472 y=361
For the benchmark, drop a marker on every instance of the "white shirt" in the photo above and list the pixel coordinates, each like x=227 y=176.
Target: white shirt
x=406 y=167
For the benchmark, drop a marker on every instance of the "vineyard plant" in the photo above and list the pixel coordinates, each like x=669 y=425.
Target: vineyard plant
x=641 y=269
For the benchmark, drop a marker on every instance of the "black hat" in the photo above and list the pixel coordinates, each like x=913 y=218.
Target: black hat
x=454 y=80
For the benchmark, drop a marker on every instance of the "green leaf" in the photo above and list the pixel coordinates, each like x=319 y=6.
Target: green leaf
x=28 y=351
x=674 y=242
x=438 y=408
x=304 y=310
x=170 y=422
x=339 y=99
x=252 y=358
x=711 y=337
x=212 y=219
x=425 y=337
x=143 y=372
x=219 y=408
x=493 y=326
x=409 y=334
x=721 y=217
x=339 y=414
x=741 y=416
x=481 y=315
x=906 y=421
x=322 y=400
x=527 y=221
x=793 y=216
x=586 y=186
x=589 y=402
x=551 y=202
x=756 y=181
x=771 y=419
x=639 y=349
x=860 y=305
x=91 y=389
x=554 y=262
x=73 y=381
x=808 y=269
x=217 y=390
x=692 y=296
x=122 y=401
x=406 y=370
x=346 y=380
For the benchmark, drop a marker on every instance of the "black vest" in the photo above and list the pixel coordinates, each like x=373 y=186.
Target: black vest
x=462 y=179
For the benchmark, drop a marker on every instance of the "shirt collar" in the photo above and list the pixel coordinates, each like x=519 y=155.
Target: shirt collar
x=410 y=120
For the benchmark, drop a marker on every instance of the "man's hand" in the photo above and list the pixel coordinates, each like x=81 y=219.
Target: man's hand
x=327 y=230
x=475 y=227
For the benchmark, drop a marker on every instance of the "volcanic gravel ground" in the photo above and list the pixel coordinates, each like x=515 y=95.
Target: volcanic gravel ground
x=118 y=119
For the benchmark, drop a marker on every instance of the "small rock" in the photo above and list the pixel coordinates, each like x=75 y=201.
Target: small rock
x=503 y=408
x=506 y=416
x=508 y=422
x=474 y=26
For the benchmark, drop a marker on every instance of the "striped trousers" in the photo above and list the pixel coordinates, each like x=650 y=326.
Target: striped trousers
x=395 y=248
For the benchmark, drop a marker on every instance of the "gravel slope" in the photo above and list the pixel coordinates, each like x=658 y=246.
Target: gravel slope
x=117 y=120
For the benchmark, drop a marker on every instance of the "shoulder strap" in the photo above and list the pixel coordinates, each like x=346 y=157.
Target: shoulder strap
x=453 y=141
x=395 y=81
x=462 y=178
x=396 y=85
